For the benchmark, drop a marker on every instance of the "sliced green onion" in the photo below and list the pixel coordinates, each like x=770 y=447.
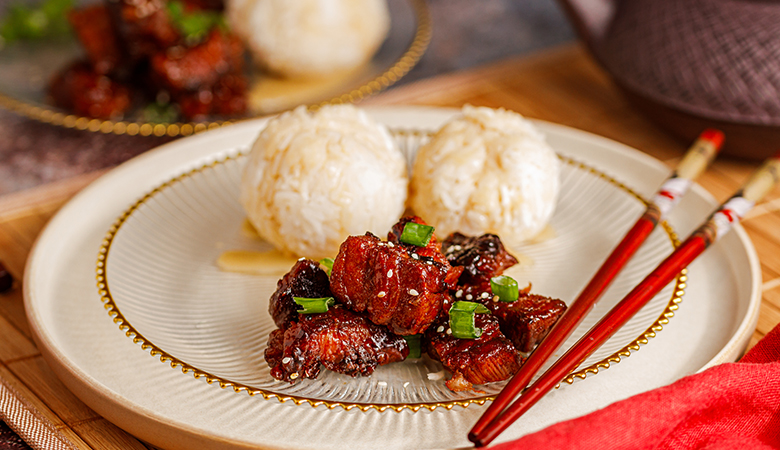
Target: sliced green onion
x=47 y=20
x=193 y=25
x=159 y=112
x=328 y=264
x=415 y=349
x=314 y=305
x=505 y=288
x=462 y=319
x=416 y=234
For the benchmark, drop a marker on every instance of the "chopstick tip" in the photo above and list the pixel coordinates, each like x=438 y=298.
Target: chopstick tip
x=475 y=439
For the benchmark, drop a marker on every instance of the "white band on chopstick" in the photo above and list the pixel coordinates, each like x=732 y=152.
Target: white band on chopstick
x=730 y=213
x=670 y=193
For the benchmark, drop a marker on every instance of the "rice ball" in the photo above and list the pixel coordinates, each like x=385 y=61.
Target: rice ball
x=312 y=179
x=486 y=171
x=309 y=38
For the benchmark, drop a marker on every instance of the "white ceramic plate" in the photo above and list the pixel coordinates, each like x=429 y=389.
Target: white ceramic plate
x=160 y=279
x=170 y=409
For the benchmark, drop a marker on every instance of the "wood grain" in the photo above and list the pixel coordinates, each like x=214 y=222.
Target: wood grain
x=563 y=86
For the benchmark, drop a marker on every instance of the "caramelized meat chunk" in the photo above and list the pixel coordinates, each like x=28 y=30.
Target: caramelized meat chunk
x=528 y=320
x=94 y=30
x=432 y=250
x=206 y=78
x=481 y=257
x=395 y=287
x=306 y=279
x=340 y=340
x=180 y=68
x=490 y=357
x=80 y=89
x=143 y=26
x=226 y=98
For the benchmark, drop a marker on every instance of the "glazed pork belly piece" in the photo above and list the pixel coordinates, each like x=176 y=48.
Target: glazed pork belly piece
x=306 y=279
x=93 y=27
x=482 y=257
x=206 y=78
x=227 y=97
x=186 y=69
x=143 y=27
x=340 y=340
x=431 y=250
x=490 y=357
x=396 y=285
x=83 y=91
x=525 y=321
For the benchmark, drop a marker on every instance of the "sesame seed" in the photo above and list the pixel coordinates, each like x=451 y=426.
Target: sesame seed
x=436 y=376
x=469 y=296
x=301 y=258
x=415 y=256
x=449 y=330
x=294 y=375
x=440 y=329
x=390 y=273
x=413 y=292
x=382 y=383
x=390 y=244
x=495 y=298
x=484 y=295
x=430 y=263
x=286 y=360
x=381 y=294
x=406 y=384
x=458 y=247
x=459 y=294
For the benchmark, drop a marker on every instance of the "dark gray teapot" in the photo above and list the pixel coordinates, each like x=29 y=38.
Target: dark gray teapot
x=692 y=64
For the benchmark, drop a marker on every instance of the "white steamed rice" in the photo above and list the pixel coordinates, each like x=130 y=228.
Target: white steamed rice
x=312 y=179
x=486 y=171
x=308 y=38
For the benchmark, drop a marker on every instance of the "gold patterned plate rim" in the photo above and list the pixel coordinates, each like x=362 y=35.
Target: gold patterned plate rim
x=124 y=325
x=400 y=67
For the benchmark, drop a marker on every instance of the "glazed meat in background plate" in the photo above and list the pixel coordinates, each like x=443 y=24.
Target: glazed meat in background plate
x=395 y=287
x=306 y=279
x=140 y=47
x=341 y=340
x=206 y=78
x=201 y=66
x=80 y=89
x=95 y=31
x=482 y=257
x=143 y=27
x=490 y=357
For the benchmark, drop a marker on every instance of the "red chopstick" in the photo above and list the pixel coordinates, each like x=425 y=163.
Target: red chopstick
x=695 y=161
x=717 y=225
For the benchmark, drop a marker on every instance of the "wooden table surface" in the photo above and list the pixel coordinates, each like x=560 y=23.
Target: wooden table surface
x=563 y=85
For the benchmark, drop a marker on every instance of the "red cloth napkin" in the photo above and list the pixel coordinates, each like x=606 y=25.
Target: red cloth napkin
x=730 y=406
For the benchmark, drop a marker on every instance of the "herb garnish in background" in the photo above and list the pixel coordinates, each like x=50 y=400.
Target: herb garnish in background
x=46 y=20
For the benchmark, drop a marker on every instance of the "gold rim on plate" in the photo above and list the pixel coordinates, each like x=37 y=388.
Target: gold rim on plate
x=390 y=76
x=165 y=357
